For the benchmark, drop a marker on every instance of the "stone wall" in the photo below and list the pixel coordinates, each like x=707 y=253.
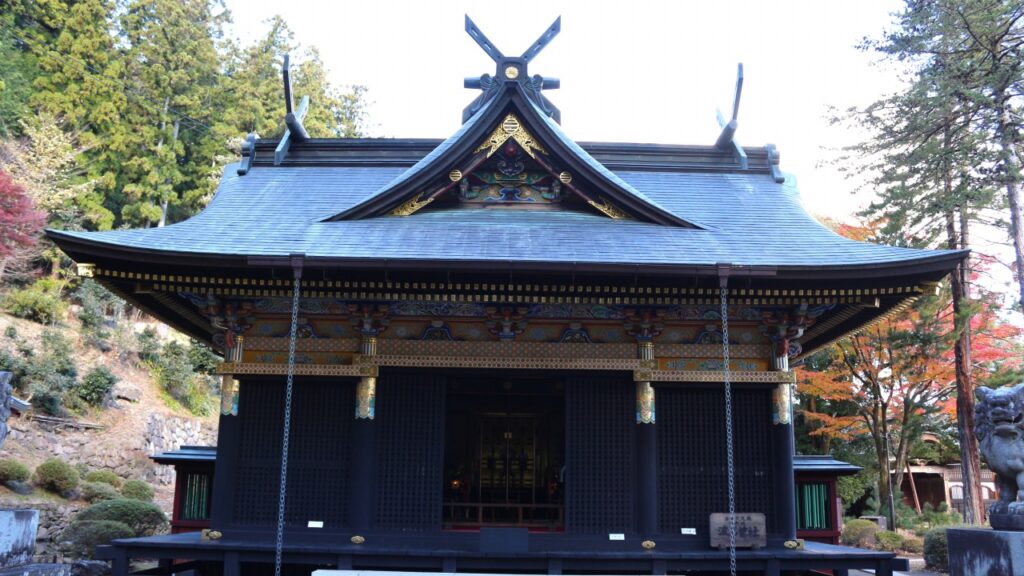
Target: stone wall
x=125 y=453
x=163 y=434
x=123 y=450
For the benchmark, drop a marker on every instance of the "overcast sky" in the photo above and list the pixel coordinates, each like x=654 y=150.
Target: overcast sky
x=638 y=71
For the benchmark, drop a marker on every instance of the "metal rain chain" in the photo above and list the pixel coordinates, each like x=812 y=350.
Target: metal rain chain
x=287 y=427
x=731 y=470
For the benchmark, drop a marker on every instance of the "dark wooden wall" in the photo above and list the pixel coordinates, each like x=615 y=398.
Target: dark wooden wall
x=600 y=486
x=691 y=456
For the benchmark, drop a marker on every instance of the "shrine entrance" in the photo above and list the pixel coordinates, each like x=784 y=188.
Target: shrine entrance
x=504 y=454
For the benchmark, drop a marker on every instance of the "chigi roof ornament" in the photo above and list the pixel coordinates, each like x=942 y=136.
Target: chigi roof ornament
x=512 y=71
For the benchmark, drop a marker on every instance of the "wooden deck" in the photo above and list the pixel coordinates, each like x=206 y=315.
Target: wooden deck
x=551 y=554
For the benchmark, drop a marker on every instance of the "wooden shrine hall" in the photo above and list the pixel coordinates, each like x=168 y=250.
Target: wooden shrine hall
x=505 y=351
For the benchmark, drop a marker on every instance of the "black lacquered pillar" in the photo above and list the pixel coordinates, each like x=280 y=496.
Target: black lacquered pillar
x=646 y=450
x=782 y=432
x=363 y=447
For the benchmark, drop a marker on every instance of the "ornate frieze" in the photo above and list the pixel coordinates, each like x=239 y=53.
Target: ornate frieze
x=506 y=322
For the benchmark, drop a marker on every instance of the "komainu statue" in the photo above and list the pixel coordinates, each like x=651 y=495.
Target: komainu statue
x=999 y=423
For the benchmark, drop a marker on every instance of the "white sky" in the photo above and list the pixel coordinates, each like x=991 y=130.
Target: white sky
x=640 y=71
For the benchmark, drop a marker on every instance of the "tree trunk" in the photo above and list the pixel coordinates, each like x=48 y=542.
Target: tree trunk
x=969 y=464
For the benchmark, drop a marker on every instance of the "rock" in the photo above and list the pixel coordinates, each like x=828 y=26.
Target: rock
x=42 y=533
x=124 y=391
x=89 y=568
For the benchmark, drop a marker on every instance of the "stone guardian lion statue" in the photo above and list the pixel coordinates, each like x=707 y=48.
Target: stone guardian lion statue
x=999 y=423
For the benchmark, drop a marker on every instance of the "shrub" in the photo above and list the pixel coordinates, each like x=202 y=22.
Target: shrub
x=143 y=518
x=51 y=373
x=889 y=541
x=96 y=303
x=859 y=533
x=96 y=385
x=13 y=471
x=104 y=476
x=913 y=545
x=39 y=301
x=98 y=492
x=56 y=476
x=936 y=551
x=137 y=490
x=85 y=536
x=202 y=357
x=149 y=345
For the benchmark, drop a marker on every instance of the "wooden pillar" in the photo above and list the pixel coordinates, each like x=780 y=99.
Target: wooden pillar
x=782 y=432
x=646 y=450
x=222 y=512
x=363 y=447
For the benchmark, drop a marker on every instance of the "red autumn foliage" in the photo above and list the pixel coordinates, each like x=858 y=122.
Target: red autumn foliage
x=20 y=222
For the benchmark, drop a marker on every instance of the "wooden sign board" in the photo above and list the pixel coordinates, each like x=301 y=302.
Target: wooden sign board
x=750 y=530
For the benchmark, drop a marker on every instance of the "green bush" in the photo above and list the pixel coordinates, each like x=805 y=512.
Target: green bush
x=202 y=357
x=56 y=476
x=97 y=304
x=98 y=491
x=137 y=490
x=96 y=385
x=39 y=301
x=104 y=476
x=174 y=369
x=85 y=535
x=859 y=533
x=51 y=373
x=936 y=551
x=889 y=541
x=143 y=518
x=149 y=345
x=13 y=471
x=913 y=545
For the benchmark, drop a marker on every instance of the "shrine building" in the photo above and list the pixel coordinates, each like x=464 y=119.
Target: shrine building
x=504 y=351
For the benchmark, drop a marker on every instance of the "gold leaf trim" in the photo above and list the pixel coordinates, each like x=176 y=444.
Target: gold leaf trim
x=609 y=209
x=411 y=206
x=510 y=128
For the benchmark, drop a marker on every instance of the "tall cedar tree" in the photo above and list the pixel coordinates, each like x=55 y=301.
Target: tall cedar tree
x=931 y=157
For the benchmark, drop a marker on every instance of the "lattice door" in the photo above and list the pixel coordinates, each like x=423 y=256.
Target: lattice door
x=691 y=456
x=318 y=453
x=410 y=420
x=600 y=447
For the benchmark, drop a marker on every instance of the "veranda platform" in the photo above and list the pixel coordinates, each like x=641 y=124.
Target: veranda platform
x=551 y=554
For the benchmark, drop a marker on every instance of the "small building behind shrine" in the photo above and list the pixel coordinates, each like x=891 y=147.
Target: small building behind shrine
x=503 y=351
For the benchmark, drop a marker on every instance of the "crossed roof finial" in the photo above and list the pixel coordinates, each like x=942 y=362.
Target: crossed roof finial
x=512 y=70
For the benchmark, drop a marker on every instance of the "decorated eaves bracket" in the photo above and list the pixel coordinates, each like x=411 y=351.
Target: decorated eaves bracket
x=512 y=70
x=727 y=139
x=294 y=130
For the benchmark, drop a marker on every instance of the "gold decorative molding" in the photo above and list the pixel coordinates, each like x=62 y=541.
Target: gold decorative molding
x=263 y=369
x=738 y=295
x=280 y=344
x=715 y=376
x=609 y=209
x=509 y=362
x=510 y=128
x=412 y=205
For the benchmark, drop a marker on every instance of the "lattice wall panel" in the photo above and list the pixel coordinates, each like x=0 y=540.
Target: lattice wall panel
x=600 y=448
x=692 y=456
x=410 y=420
x=318 y=453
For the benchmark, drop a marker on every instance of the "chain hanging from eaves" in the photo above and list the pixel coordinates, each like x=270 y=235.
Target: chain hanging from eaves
x=729 y=456
x=279 y=545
